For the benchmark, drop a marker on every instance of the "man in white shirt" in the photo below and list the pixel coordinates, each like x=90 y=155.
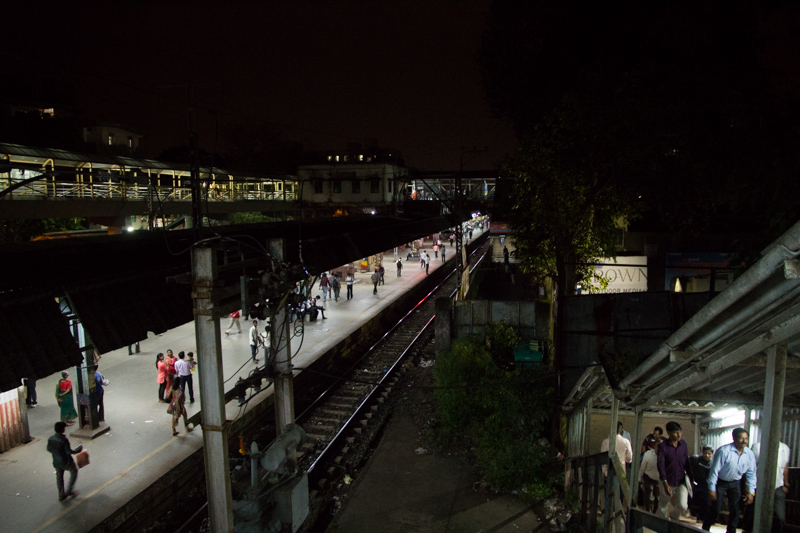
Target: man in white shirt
x=254 y=341
x=184 y=370
x=649 y=479
x=781 y=488
x=622 y=447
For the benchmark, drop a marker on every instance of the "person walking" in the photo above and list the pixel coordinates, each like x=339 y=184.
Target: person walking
x=99 y=392
x=235 y=316
x=436 y=250
x=324 y=284
x=254 y=340
x=421 y=259
x=673 y=467
x=65 y=399
x=730 y=464
x=335 y=287
x=178 y=408
x=163 y=377
x=427 y=263
x=399 y=267
x=184 y=370
x=701 y=466
x=648 y=479
x=348 y=280
x=381 y=272
x=59 y=447
x=375 y=279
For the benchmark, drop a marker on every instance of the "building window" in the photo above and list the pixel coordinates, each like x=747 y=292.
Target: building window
x=330 y=158
x=374 y=186
x=337 y=158
x=389 y=186
x=317 y=186
x=130 y=142
x=337 y=186
x=345 y=158
x=361 y=157
x=110 y=139
x=356 y=186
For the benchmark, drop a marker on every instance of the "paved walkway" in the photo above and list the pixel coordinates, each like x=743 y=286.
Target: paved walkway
x=139 y=448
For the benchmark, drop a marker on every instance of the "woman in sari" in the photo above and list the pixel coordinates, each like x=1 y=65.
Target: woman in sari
x=65 y=400
x=178 y=407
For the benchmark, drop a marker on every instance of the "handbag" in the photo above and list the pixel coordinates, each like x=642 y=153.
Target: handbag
x=170 y=408
x=82 y=459
x=105 y=381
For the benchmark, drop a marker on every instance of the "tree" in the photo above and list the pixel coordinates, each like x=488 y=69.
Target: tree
x=567 y=201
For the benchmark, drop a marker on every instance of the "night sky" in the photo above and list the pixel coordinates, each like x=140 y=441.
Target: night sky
x=402 y=72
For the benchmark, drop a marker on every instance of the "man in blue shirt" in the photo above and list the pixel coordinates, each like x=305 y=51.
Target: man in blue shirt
x=730 y=463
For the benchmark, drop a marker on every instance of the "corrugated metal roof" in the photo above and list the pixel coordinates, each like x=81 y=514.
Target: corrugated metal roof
x=718 y=355
x=118 y=284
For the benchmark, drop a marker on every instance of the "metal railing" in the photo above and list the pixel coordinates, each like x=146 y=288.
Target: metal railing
x=129 y=191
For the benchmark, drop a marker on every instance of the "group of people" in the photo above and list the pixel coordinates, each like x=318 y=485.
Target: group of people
x=669 y=476
x=65 y=397
x=174 y=377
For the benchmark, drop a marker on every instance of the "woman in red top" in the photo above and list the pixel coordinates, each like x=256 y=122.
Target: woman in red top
x=163 y=377
x=170 y=360
x=65 y=399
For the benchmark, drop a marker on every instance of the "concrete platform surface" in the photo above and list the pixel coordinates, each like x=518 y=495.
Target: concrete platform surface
x=139 y=448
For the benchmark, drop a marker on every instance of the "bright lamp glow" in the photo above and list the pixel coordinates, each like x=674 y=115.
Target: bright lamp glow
x=725 y=413
x=129 y=228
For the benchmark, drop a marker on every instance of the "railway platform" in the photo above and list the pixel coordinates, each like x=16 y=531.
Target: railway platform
x=139 y=447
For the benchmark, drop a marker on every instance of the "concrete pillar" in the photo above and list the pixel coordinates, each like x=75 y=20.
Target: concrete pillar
x=444 y=324
x=212 y=395
x=636 y=445
x=284 y=382
x=771 y=419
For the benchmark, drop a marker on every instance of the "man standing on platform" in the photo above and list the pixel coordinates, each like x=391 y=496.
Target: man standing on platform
x=399 y=267
x=731 y=462
x=673 y=467
x=427 y=263
x=254 y=338
x=443 y=252
x=348 y=280
x=184 y=370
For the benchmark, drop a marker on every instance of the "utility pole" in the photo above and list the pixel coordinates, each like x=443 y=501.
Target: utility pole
x=212 y=394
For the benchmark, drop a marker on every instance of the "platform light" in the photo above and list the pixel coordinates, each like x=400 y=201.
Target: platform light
x=725 y=413
x=129 y=228
x=372 y=212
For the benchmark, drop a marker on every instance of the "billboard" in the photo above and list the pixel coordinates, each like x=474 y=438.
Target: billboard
x=627 y=274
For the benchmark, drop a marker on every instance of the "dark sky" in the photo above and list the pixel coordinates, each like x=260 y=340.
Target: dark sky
x=401 y=72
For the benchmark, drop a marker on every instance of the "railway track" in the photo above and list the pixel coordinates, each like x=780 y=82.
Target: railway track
x=342 y=423
x=351 y=409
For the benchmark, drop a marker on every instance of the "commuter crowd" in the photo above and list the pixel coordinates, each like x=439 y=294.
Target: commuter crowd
x=672 y=482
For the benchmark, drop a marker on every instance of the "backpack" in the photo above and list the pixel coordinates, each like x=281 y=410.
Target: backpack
x=374 y=277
